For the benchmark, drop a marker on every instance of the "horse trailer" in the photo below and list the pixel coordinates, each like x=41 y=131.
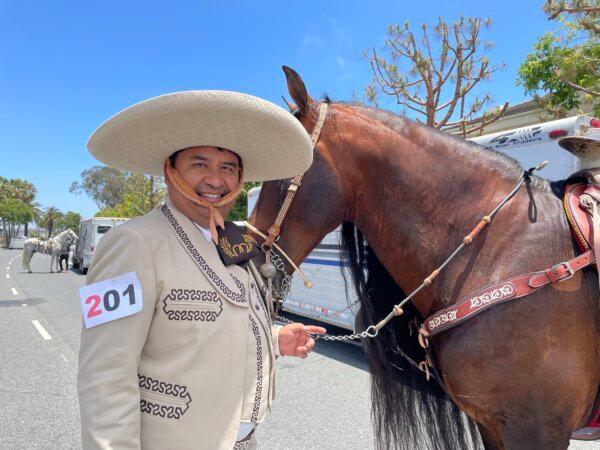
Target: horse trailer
x=90 y=233
x=327 y=301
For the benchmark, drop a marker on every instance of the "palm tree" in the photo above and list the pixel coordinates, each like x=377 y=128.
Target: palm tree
x=50 y=218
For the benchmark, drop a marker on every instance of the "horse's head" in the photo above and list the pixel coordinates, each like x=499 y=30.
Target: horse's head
x=72 y=236
x=323 y=200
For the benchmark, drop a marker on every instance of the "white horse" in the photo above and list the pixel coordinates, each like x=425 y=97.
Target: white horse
x=52 y=246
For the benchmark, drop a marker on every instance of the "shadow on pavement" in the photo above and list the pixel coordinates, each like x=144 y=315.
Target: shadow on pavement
x=28 y=302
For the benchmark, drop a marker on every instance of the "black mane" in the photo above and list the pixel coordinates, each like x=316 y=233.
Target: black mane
x=409 y=412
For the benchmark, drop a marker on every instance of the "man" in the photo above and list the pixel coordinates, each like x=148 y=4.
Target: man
x=64 y=256
x=177 y=349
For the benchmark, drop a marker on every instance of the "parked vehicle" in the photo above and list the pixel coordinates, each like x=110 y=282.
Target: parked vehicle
x=532 y=144
x=17 y=242
x=529 y=145
x=90 y=233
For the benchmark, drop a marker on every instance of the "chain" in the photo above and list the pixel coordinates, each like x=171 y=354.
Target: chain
x=347 y=337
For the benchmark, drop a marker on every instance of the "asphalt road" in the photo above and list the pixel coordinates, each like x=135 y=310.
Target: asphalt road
x=321 y=402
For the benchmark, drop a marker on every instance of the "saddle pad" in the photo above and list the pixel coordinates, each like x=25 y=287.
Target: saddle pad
x=579 y=219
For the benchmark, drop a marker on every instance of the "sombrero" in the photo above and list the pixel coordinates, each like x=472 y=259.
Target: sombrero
x=585 y=148
x=270 y=141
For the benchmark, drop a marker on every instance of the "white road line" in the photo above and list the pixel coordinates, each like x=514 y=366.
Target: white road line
x=14 y=291
x=41 y=330
x=24 y=304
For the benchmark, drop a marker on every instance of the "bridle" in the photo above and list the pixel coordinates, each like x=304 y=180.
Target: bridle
x=273 y=262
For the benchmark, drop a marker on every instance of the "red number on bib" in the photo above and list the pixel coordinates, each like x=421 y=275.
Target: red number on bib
x=94 y=311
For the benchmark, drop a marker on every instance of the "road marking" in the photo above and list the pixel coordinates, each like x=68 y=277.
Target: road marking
x=14 y=291
x=24 y=304
x=41 y=330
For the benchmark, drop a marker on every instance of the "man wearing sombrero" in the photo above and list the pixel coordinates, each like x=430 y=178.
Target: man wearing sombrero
x=177 y=349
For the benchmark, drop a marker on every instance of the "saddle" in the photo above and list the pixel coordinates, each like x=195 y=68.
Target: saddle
x=580 y=216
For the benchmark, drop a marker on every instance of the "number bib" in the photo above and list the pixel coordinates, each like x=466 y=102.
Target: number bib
x=111 y=299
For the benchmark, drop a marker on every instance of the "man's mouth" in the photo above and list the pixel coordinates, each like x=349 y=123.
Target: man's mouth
x=213 y=198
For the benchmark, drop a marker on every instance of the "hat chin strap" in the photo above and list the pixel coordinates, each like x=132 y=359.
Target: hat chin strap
x=183 y=187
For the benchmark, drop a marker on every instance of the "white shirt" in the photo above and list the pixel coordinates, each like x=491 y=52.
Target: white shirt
x=205 y=232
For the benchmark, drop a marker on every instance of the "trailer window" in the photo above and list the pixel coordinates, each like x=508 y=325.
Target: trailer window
x=101 y=229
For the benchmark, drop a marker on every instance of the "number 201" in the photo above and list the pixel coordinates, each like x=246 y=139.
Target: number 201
x=111 y=301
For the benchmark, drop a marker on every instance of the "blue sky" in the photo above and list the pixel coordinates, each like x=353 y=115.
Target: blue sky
x=67 y=66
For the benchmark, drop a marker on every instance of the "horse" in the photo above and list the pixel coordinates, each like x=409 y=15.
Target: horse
x=52 y=246
x=527 y=372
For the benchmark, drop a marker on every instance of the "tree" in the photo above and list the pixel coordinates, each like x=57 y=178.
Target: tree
x=435 y=79
x=142 y=194
x=564 y=68
x=104 y=185
x=14 y=213
x=240 y=209
x=50 y=219
x=118 y=193
x=70 y=220
x=21 y=190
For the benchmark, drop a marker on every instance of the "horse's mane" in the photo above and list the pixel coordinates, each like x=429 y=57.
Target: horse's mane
x=408 y=411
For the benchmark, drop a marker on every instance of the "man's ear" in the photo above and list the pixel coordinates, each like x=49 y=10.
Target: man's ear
x=297 y=90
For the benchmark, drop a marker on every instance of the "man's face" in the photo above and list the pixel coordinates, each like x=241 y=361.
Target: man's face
x=212 y=173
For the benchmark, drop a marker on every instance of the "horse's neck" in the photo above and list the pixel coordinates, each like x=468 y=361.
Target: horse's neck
x=423 y=195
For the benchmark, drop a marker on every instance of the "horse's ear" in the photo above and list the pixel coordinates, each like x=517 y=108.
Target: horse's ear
x=297 y=90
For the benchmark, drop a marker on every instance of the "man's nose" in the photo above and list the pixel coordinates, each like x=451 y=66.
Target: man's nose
x=215 y=179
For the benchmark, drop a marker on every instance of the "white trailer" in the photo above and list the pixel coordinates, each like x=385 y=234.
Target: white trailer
x=326 y=300
x=90 y=233
x=529 y=145
x=532 y=144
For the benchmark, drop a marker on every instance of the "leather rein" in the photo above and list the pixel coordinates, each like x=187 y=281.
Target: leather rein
x=471 y=305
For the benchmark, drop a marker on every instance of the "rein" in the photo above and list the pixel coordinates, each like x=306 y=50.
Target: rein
x=485 y=297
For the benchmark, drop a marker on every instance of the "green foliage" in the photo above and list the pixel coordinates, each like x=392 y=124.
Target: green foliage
x=552 y=65
x=104 y=185
x=240 y=209
x=50 y=218
x=118 y=193
x=69 y=220
x=142 y=194
x=564 y=68
x=17 y=205
x=16 y=211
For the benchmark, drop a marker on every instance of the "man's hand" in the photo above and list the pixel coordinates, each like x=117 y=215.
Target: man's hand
x=295 y=341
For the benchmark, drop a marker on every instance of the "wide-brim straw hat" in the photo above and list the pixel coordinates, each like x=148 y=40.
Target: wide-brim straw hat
x=270 y=141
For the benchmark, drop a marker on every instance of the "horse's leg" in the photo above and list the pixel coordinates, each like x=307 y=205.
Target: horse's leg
x=51 y=262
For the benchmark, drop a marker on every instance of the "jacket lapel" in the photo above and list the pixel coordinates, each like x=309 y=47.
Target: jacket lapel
x=204 y=255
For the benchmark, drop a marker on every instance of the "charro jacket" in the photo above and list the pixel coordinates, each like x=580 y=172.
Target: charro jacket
x=194 y=362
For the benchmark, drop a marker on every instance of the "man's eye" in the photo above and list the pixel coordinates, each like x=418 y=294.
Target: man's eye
x=228 y=169
x=199 y=164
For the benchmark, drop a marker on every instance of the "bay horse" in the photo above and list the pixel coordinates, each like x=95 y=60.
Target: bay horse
x=526 y=372
x=52 y=246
